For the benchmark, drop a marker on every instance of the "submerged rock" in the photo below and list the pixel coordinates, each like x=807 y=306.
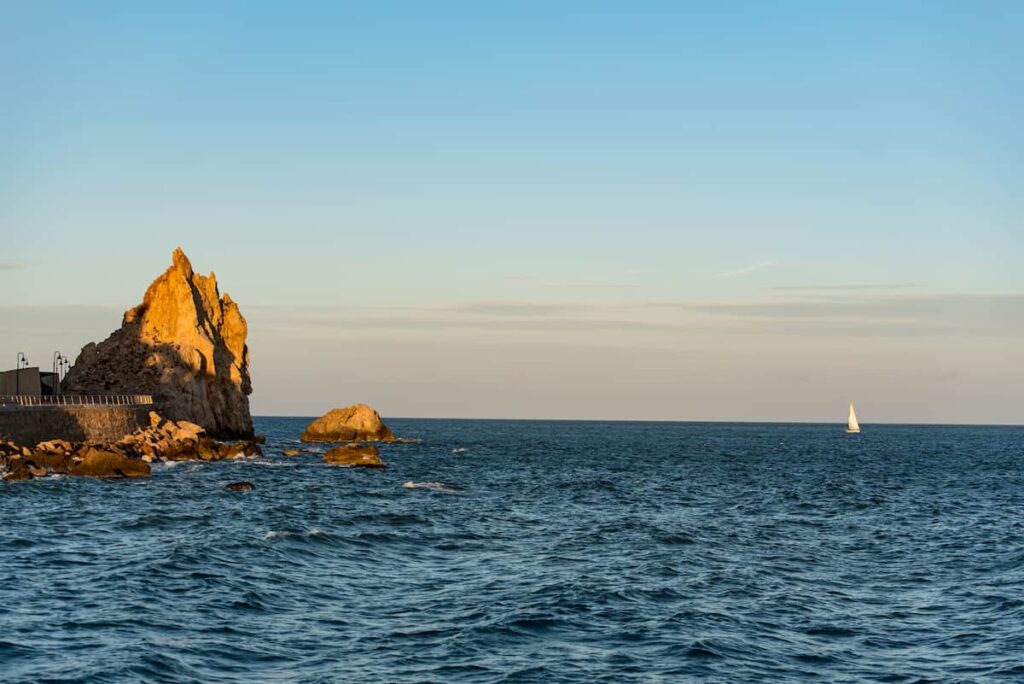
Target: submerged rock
x=291 y=452
x=186 y=345
x=358 y=422
x=355 y=456
x=240 y=486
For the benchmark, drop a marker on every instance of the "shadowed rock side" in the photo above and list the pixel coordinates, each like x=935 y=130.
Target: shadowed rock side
x=185 y=345
x=352 y=423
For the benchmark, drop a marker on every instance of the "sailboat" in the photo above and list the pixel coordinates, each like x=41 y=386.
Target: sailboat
x=852 y=426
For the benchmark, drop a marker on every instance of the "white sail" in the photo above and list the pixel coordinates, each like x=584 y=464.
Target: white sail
x=851 y=424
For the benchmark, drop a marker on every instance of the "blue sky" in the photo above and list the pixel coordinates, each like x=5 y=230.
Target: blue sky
x=637 y=210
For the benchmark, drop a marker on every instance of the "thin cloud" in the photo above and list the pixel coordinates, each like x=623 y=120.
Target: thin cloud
x=11 y=265
x=876 y=315
x=746 y=270
x=842 y=287
x=583 y=283
x=517 y=309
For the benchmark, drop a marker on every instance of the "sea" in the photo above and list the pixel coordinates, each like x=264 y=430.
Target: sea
x=533 y=551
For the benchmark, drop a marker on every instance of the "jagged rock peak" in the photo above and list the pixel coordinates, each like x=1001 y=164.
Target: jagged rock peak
x=186 y=345
x=181 y=262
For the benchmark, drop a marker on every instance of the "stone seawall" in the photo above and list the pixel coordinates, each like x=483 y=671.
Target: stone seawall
x=29 y=426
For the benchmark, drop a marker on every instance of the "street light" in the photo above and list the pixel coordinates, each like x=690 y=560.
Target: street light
x=57 y=359
x=17 y=372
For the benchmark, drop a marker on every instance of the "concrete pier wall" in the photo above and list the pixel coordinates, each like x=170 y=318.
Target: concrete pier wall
x=28 y=426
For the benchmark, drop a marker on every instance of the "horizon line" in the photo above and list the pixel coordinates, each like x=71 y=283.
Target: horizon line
x=674 y=420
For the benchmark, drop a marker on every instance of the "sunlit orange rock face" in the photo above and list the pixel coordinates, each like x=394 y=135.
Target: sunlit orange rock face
x=185 y=345
x=356 y=422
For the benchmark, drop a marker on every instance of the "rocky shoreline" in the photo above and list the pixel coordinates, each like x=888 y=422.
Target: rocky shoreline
x=131 y=456
x=168 y=440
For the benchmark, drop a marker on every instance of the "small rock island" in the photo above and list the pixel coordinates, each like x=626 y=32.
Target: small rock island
x=358 y=422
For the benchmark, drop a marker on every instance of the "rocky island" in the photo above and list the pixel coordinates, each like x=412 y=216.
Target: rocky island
x=358 y=422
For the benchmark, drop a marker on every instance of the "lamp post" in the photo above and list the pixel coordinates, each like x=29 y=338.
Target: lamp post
x=58 y=358
x=17 y=372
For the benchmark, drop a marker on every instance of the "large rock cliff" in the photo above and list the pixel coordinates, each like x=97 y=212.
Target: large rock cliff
x=185 y=345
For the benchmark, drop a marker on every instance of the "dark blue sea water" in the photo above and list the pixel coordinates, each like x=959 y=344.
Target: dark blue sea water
x=570 y=551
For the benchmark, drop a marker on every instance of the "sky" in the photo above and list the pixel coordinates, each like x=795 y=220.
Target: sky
x=608 y=210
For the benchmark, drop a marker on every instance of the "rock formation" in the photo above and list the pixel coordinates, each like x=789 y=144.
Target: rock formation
x=356 y=422
x=97 y=462
x=185 y=345
x=355 y=456
x=83 y=460
x=163 y=440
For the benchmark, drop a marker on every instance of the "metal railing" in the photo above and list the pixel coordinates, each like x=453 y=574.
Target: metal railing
x=24 y=400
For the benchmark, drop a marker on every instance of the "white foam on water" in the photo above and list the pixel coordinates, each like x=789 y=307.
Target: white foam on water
x=272 y=464
x=460 y=450
x=284 y=534
x=436 y=486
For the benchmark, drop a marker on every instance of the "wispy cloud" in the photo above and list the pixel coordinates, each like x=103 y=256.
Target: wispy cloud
x=581 y=283
x=842 y=287
x=11 y=265
x=589 y=284
x=746 y=270
x=868 y=315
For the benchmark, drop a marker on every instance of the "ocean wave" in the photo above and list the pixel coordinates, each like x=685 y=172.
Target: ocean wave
x=294 y=534
x=268 y=463
x=624 y=545
x=436 y=486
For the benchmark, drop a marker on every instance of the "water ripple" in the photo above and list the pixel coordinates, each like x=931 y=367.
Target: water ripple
x=591 y=552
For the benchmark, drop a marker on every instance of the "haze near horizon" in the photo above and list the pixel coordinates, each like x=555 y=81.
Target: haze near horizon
x=656 y=211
